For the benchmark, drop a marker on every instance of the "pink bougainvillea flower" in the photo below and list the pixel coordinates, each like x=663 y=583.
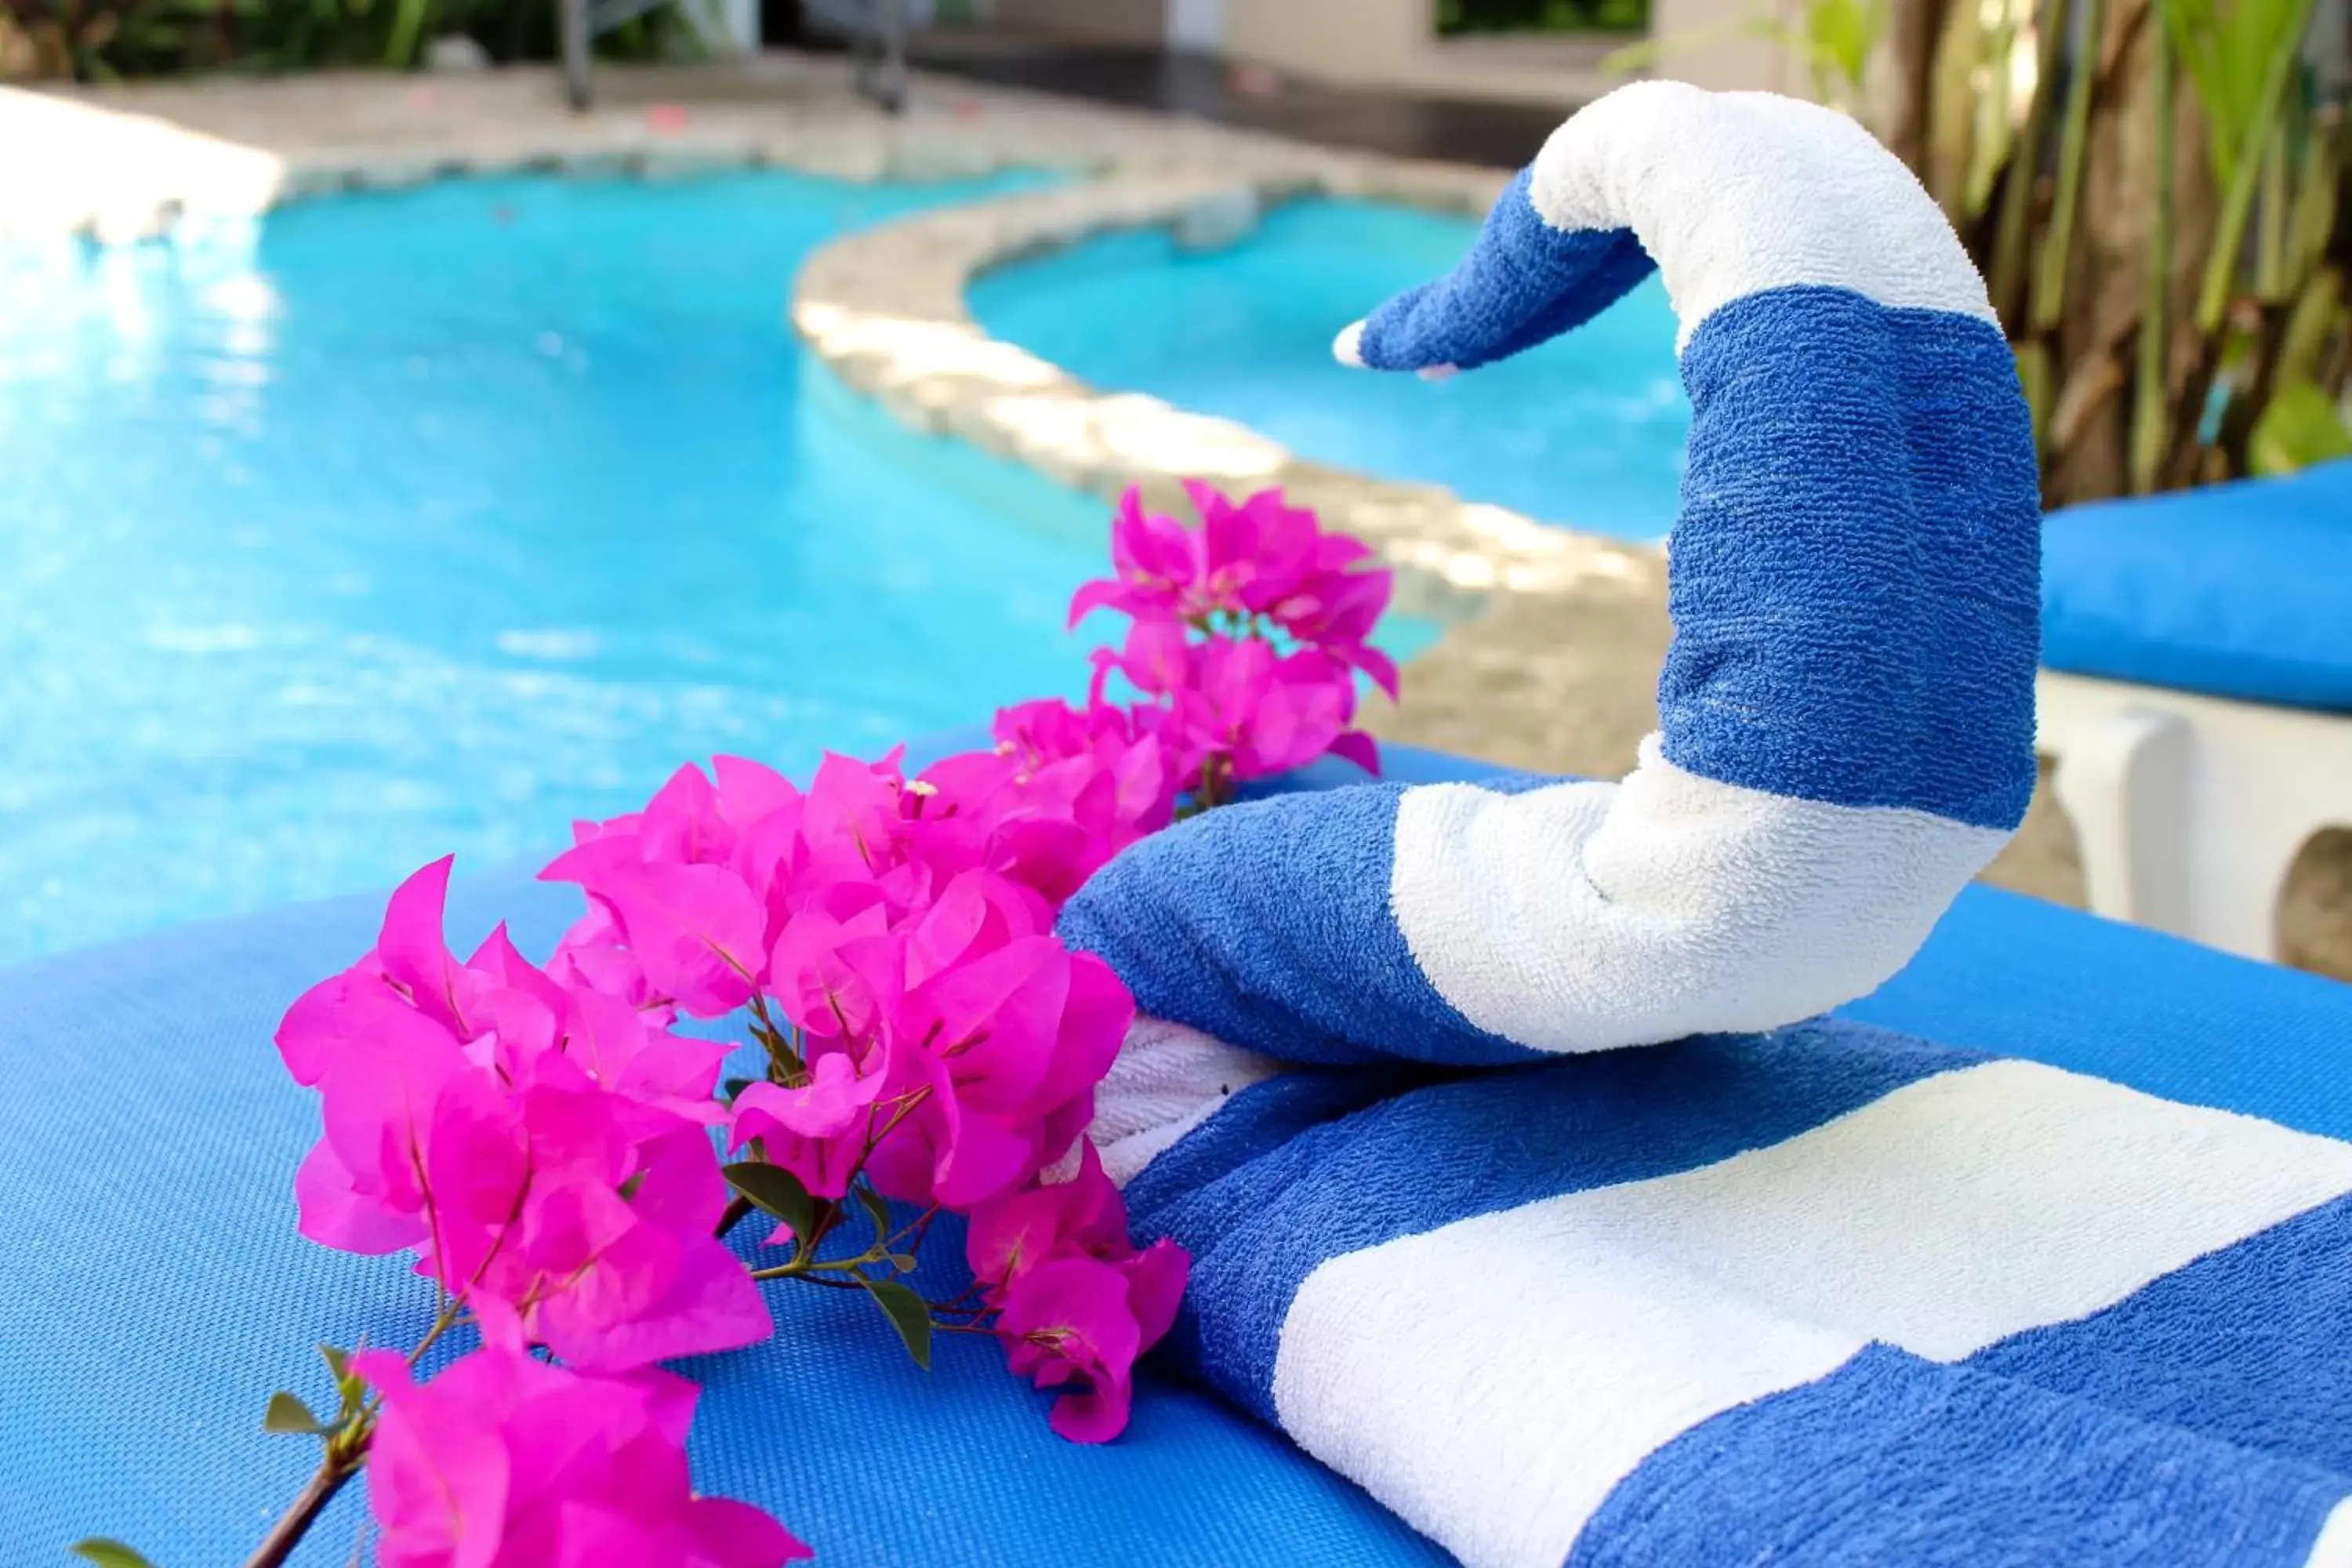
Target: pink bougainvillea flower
x=540 y=1135
x=506 y=1461
x=818 y=1130
x=619 y=1046
x=1078 y=1301
x=1154 y=659
x=1013 y=1234
x=590 y=957
x=542 y=1148
x=1262 y=712
x=827 y=976
x=695 y=930
x=941 y=1151
x=853 y=813
x=683 y=824
x=1067 y=1322
x=750 y=791
x=1156 y=565
x=1256 y=557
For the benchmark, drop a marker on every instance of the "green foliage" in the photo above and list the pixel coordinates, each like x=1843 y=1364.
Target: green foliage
x=350 y=1389
x=287 y=1416
x=877 y=1210
x=107 y=1553
x=104 y=40
x=2267 y=325
x=2298 y=426
x=778 y=1191
x=1834 y=38
x=1457 y=17
x=2228 y=57
x=908 y=1313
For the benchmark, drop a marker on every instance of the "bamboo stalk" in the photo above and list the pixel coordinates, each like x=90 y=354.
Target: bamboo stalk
x=2187 y=463
x=2269 y=239
x=2149 y=439
x=2237 y=200
x=2050 y=284
x=2009 y=274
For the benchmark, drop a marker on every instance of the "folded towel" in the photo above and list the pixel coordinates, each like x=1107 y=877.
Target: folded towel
x=1775 y=1290
x=1829 y=1295
x=1846 y=713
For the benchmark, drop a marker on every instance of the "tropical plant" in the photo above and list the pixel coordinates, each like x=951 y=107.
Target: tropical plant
x=103 y=40
x=1455 y=16
x=1835 y=39
x=2154 y=191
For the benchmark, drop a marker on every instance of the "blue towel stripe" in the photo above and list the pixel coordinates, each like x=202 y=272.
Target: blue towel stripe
x=1285 y=1176
x=1282 y=938
x=1856 y=568
x=1522 y=283
x=2250 y=1345
x=1907 y=1461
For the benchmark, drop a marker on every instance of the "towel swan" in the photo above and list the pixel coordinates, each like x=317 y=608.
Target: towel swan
x=1846 y=711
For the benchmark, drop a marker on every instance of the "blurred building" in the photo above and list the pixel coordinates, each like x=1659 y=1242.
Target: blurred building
x=1535 y=51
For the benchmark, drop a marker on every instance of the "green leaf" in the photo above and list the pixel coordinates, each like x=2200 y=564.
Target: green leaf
x=288 y=1415
x=736 y=1085
x=908 y=1313
x=2299 y=426
x=777 y=1190
x=350 y=1387
x=108 y=1554
x=878 y=1209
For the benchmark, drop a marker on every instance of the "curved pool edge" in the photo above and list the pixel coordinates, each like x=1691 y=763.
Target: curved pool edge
x=886 y=310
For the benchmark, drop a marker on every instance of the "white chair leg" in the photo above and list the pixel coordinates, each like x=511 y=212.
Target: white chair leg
x=2242 y=855
x=2123 y=780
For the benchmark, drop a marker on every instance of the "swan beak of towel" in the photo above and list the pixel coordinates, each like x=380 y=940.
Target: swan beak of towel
x=1347 y=348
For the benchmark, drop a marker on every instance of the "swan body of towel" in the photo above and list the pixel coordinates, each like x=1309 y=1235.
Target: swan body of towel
x=1846 y=711
x=1772 y=1287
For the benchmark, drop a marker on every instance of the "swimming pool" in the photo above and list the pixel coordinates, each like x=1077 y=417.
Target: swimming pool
x=1586 y=431
x=427 y=521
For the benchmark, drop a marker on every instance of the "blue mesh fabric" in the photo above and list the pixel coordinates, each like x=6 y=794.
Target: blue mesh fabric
x=152 y=1290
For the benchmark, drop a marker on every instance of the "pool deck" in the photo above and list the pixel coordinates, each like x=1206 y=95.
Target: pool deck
x=1550 y=656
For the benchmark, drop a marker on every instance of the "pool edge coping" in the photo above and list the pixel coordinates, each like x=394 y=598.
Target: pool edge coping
x=886 y=310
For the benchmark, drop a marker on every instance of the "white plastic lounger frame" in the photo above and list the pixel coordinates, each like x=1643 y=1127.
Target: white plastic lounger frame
x=2190 y=809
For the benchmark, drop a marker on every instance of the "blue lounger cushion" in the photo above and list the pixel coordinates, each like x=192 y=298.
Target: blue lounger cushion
x=152 y=1289
x=2239 y=590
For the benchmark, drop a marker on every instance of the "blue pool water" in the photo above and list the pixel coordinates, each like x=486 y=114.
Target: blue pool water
x=1586 y=431
x=429 y=521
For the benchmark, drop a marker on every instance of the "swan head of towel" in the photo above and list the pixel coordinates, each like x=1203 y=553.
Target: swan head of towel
x=1846 y=711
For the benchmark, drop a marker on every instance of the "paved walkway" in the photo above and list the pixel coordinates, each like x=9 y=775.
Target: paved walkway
x=1554 y=638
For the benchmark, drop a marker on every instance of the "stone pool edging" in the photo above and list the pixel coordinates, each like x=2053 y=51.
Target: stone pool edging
x=886 y=311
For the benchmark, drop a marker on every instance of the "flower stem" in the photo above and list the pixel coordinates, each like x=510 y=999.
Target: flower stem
x=342 y=1461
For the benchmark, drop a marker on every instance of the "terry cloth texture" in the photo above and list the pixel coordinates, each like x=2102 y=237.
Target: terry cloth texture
x=1827 y=1295
x=1846 y=713
x=1768 y=1290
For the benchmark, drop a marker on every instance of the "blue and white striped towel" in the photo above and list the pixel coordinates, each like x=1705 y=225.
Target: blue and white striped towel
x=1770 y=1289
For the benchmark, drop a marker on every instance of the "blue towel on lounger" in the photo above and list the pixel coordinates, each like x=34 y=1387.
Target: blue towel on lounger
x=1769 y=1290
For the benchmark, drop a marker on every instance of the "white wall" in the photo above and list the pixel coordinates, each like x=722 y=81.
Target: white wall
x=1196 y=27
x=1395 y=43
